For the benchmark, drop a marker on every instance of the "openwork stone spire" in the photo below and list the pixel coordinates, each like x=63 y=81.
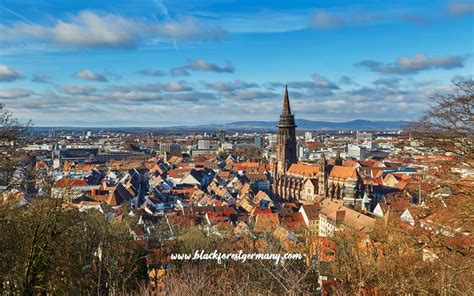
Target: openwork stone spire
x=286 y=110
x=286 y=118
x=286 y=153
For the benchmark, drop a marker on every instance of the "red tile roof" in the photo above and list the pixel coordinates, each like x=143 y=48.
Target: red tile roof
x=303 y=169
x=340 y=172
x=65 y=182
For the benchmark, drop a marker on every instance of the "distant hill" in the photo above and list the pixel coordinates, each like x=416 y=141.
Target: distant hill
x=302 y=124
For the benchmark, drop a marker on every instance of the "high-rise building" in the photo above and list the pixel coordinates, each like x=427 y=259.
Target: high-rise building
x=300 y=151
x=286 y=150
x=258 y=142
x=221 y=135
x=308 y=136
x=171 y=148
x=204 y=144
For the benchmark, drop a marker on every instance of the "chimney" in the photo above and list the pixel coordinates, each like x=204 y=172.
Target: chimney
x=340 y=216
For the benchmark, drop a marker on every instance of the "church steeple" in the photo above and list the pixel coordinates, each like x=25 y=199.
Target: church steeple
x=286 y=110
x=286 y=136
x=286 y=118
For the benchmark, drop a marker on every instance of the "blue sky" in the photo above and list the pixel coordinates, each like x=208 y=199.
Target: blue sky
x=162 y=63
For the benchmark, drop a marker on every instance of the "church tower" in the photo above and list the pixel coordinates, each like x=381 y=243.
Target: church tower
x=323 y=177
x=286 y=152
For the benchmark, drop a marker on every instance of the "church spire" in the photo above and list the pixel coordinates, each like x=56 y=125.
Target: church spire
x=286 y=151
x=286 y=118
x=286 y=110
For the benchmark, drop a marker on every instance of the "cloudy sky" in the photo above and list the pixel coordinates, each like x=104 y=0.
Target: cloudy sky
x=162 y=63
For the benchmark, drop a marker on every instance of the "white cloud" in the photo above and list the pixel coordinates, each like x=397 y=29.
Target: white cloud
x=77 y=90
x=413 y=64
x=152 y=72
x=179 y=71
x=14 y=93
x=230 y=86
x=41 y=78
x=8 y=74
x=177 y=86
x=88 y=29
x=89 y=75
x=202 y=65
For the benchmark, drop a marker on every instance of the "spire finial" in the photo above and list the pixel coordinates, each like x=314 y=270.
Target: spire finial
x=286 y=110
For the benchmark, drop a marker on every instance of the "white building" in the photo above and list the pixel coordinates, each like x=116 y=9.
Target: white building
x=357 y=152
x=364 y=136
x=204 y=144
x=333 y=216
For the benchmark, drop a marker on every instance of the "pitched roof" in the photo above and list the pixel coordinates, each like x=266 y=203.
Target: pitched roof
x=66 y=182
x=119 y=195
x=266 y=222
x=312 y=211
x=294 y=221
x=179 y=173
x=341 y=172
x=303 y=169
x=255 y=177
x=350 y=218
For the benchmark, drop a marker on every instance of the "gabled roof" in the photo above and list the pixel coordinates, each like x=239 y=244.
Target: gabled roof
x=119 y=195
x=294 y=222
x=312 y=181
x=349 y=217
x=178 y=173
x=245 y=190
x=261 y=195
x=303 y=169
x=66 y=182
x=341 y=172
x=255 y=177
x=312 y=211
x=224 y=175
x=266 y=222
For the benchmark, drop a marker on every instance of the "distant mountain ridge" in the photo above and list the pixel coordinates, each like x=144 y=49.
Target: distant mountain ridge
x=302 y=124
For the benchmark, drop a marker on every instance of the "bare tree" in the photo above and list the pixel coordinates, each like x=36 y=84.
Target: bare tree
x=449 y=122
x=10 y=128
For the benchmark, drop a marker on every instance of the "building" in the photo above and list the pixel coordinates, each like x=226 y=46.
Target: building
x=286 y=149
x=344 y=183
x=273 y=141
x=357 y=152
x=171 y=148
x=204 y=144
x=334 y=216
x=310 y=215
x=300 y=151
x=294 y=181
x=308 y=136
x=286 y=186
x=258 y=142
x=221 y=135
x=364 y=137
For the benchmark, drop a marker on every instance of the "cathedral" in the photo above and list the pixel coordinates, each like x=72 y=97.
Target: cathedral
x=300 y=181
